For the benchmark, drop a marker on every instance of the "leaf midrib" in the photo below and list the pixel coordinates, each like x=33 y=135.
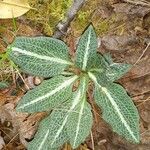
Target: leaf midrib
x=38 y=47
x=113 y=103
x=60 y=87
x=33 y=54
x=85 y=59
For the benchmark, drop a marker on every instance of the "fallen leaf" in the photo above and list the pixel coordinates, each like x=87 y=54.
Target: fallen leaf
x=131 y=9
x=2 y=143
x=13 y=8
x=119 y=43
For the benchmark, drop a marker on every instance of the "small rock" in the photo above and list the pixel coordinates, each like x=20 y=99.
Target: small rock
x=118 y=43
x=131 y=9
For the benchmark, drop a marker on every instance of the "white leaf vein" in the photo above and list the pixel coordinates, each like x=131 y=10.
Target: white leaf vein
x=114 y=104
x=54 y=91
x=43 y=141
x=43 y=57
x=85 y=59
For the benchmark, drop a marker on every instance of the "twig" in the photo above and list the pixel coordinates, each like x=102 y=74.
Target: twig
x=142 y=54
x=92 y=139
x=138 y=2
x=22 y=79
x=63 y=25
x=148 y=99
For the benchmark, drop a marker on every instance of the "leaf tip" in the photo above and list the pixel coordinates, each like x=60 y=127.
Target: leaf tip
x=19 y=108
x=91 y=27
x=136 y=139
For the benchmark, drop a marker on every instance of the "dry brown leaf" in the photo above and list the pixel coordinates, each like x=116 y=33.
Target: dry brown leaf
x=2 y=143
x=131 y=9
x=13 y=8
x=119 y=43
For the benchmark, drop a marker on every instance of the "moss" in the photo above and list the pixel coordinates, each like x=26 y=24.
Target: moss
x=83 y=17
x=105 y=25
x=102 y=27
x=48 y=13
x=87 y=15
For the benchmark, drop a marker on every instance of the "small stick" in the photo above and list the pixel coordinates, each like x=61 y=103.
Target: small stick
x=142 y=54
x=63 y=25
x=92 y=140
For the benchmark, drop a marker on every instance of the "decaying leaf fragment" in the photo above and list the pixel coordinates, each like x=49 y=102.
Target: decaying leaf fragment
x=13 y=8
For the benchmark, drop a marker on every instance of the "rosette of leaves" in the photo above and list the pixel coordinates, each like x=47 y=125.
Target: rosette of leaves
x=63 y=92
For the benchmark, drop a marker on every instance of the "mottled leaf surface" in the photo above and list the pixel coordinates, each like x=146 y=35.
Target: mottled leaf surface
x=117 y=70
x=51 y=133
x=113 y=71
x=42 y=56
x=118 y=109
x=100 y=65
x=79 y=115
x=86 y=49
x=79 y=123
x=71 y=117
x=53 y=130
x=48 y=95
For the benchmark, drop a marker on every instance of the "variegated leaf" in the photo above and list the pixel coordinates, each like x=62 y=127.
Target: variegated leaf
x=80 y=114
x=48 y=95
x=114 y=71
x=118 y=109
x=42 y=56
x=86 y=49
x=99 y=66
x=70 y=110
x=117 y=70
x=79 y=123
x=51 y=133
x=52 y=130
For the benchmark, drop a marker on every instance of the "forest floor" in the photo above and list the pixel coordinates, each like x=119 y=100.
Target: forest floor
x=124 y=31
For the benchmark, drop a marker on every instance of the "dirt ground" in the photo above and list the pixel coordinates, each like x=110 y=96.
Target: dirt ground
x=123 y=30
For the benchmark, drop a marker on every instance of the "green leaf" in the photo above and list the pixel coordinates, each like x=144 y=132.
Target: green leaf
x=74 y=108
x=48 y=95
x=51 y=133
x=113 y=71
x=86 y=49
x=42 y=56
x=3 y=85
x=118 y=109
x=79 y=123
x=108 y=58
x=117 y=70
x=99 y=66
